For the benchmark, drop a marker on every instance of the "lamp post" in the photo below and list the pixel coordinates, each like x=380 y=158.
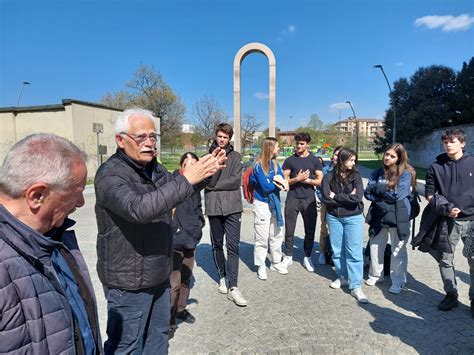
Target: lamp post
x=21 y=92
x=394 y=135
x=356 y=127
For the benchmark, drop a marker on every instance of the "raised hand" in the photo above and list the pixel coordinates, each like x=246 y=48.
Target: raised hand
x=202 y=169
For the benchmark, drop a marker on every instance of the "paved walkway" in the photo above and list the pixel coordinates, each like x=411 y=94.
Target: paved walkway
x=299 y=313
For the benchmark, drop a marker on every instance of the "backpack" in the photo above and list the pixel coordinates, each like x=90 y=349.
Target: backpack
x=247 y=186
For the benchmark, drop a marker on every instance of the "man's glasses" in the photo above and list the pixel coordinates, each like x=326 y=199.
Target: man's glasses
x=141 y=138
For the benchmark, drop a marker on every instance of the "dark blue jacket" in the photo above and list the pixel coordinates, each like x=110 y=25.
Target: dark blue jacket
x=35 y=316
x=388 y=208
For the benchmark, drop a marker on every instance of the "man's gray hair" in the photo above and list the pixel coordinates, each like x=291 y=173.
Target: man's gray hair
x=40 y=157
x=122 y=122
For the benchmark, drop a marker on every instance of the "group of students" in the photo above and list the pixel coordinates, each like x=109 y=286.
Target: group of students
x=390 y=190
x=339 y=188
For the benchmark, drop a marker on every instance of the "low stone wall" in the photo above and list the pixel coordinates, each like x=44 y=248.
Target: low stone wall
x=424 y=151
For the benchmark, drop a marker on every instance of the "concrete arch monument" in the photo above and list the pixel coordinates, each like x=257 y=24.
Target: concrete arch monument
x=239 y=57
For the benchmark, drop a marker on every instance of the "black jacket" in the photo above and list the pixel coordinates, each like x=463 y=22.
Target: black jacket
x=344 y=203
x=454 y=179
x=223 y=195
x=133 y=211
x=434 y=226
x=188 y=221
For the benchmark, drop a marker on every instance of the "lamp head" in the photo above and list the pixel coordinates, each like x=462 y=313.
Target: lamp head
x=378 y=66
x=26 y=83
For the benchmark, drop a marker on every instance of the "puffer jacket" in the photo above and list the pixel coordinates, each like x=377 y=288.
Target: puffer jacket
x=188 y=221
x=35 y=316
x=223 y=196
x=388 y=208
x=133 y=211
x=434 y=226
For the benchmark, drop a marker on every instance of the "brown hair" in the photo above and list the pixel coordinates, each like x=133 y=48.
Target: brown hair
x=226 y=128
x=392 y=174
x=266 y=156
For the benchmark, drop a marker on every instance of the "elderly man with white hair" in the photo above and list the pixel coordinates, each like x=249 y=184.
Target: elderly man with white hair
x=135 y=196
x=47 y=303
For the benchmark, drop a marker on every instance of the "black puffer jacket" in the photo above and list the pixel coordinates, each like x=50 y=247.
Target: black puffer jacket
x=188 y=221
x=35 y=316
x=344 y=203
x=133 y=211
x=434 y=226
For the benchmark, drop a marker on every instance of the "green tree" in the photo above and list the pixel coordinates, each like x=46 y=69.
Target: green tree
x=464 y=101
x=148 y=89
x=423 y=103
x=315 y=123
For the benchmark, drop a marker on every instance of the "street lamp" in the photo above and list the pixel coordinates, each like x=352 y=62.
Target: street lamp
x=393 y=103
x=21 y=91
x=356 y=127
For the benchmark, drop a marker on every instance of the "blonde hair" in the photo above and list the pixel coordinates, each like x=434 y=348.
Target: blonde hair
x=266 y=154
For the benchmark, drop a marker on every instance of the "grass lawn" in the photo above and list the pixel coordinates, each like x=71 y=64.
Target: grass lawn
x=374 y=164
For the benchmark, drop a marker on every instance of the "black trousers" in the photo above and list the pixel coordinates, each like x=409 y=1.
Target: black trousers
x=230 y=227
x=307 y=208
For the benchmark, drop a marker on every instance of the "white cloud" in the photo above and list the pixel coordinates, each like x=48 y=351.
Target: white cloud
x=447 y=23
x=261 y=95
x=399 y=64
x=338 y=106
x=291 y=28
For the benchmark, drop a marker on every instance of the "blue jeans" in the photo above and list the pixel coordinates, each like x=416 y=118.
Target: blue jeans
x=138 y=321
x=346 y=235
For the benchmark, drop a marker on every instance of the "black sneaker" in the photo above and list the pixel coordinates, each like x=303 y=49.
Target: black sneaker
x=449 y=302
x=171 y=332
x=185 y=316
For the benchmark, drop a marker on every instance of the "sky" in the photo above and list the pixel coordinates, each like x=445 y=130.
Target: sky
x=325 y=50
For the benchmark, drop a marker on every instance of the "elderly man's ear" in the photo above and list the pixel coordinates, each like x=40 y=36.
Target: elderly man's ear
x=36 y=194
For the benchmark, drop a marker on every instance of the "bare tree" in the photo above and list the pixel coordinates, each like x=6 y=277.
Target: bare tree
x=206 y=115
x=148 y=89
x=248 y=125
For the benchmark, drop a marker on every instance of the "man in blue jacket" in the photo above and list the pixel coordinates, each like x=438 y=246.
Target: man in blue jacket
x=452 y=176
x=47 y=303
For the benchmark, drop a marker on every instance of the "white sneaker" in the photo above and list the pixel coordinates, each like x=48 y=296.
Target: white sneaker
x=279 y=267
x=308 y=264
x=359 y=295
x=222 y=286
x=339 y=282
x=287 y=261
x=235 y=295
x=371 y=281
x=262 y=272
x=321 y=259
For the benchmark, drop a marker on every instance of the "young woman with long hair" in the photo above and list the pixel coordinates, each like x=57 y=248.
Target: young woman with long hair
x=267 y=209
x=342 y=192
x=389 y=189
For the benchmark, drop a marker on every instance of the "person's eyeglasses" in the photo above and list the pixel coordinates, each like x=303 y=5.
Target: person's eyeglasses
x=141 y=138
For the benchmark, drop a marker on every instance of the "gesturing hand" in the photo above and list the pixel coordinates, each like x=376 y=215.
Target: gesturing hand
x=302 y=175
x=205 y=167
x=454 y=212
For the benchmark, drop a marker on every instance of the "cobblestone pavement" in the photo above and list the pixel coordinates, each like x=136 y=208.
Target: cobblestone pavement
x=299 y=313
